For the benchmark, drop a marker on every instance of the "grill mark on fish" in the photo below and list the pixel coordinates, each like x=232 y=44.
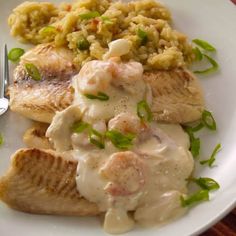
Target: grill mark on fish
x=177 y=95
x=42 y=182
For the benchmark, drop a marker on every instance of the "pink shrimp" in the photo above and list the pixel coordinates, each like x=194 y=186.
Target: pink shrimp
x=125 y=172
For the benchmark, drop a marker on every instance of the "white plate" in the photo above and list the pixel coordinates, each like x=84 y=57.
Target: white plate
x=212 y=20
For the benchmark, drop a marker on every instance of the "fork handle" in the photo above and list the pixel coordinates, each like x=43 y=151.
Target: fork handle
x=5 y=73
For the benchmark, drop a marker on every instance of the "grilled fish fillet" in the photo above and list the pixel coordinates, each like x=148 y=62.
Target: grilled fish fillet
x=177 y=95
x=35 y=137
x=43 y=182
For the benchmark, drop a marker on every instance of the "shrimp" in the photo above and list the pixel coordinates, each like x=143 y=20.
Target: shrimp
x=127 y=123
x=125 y=172
x=95 y=76
x=128 y=76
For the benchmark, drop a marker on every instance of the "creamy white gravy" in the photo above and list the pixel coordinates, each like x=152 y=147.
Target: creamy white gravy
x=142 y=184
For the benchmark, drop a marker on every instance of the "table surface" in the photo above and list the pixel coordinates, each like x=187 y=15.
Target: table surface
x=226 y=227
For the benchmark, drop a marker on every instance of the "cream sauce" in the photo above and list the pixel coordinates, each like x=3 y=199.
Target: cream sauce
x=149 y=178
x=115 y=80
x=166 y=166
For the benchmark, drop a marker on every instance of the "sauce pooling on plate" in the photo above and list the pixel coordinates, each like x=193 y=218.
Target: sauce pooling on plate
x=134 y=170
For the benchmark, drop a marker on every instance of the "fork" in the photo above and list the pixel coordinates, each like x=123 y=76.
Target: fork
x=4 y=103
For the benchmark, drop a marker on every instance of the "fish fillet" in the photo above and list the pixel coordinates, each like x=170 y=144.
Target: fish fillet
x=43 y=182
x=177 y=95
x=35 y=137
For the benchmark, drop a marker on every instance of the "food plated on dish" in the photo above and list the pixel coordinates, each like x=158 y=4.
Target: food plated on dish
x=111 y=80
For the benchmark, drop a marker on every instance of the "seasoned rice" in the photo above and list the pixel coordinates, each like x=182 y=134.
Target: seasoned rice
x=165 y=48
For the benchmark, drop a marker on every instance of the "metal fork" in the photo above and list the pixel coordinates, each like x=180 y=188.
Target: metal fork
x=4 y=103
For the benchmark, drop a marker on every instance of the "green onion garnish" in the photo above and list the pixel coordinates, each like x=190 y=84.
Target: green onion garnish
x=89 y=15
x=83 y=44
x=212 y=159
x=143 y=36
x=96 y=138
x=120 y=140
x=33 y=71
x=195 y=147
x=143 y=111
x=202 y=195
x=208 y=120
x=15 y=54
x=197 y=127
x=106 y=20
x=206 y=183
x=100 y=96
x=198 y=54
x=205 y=45
x=195 y=143
x=79 y=127
x=48 y=30
x=214 y=66
x=1 y=140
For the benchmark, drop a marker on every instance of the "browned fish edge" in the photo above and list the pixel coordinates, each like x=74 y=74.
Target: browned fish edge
x=43 y=182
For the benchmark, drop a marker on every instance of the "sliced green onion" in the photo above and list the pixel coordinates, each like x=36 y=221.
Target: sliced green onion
x=214 y=66
x=89 y=15
x=206 y=183
x=106 y=20
x=189 y=131
x=120 y=140
x=83 y=44
x=143 y=36
x=208 y=120
x=198 y=54
x=15 y=54
x=96 y=138
x=1 y=139
x=48 y=30
x=143 y=111
x=100 y=96
x=33 y=71
x=204 y=44
x=198 y=127
x=195 y=143
x=195 y=147
x=80 y=126
x=202 y=195
x=212 y=159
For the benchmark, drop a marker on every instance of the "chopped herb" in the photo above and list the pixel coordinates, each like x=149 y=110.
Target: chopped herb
x=198 y=127
x=206 y=183
x=83 y=44
x=89 y=15
x=195 y=147
x=1 y=139
x=198 y=54
x=120 y=140
x=195 y=143
x=208 y=120
x=214 y=66
x=144 y=111
x=100 y=96
x=189 y=131
x=202 y=195
x=79 y=126
x=96 y=138
x=33 y=71
x=106 y=20
x=212 y=159
x=15 y=54
x=143 y=36
x=48 y=30
x=205 y=45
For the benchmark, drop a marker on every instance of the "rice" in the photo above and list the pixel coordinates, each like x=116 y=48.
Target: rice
x=165 y=48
